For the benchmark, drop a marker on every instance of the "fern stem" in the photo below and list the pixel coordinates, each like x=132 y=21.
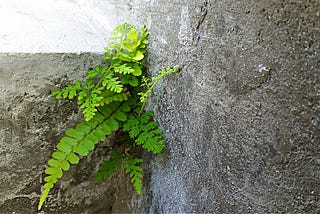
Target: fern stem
x=101 y=79
x=155 y=81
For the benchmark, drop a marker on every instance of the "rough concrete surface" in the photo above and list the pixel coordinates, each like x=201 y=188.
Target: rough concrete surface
x=242 y=118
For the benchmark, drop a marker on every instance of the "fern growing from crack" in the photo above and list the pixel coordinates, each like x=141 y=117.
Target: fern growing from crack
x=112 y=98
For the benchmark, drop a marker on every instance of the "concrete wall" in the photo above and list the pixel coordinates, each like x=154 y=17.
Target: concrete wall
x=241 y=118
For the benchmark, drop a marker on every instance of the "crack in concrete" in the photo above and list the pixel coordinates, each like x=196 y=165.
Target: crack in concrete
x=204 y=12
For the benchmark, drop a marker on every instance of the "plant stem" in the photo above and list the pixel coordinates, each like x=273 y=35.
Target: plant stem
x=155 y=81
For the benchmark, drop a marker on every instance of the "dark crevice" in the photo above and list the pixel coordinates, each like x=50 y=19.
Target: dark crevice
x=204 y=12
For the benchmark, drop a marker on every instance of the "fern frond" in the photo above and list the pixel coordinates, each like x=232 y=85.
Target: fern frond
x=108 y=167
x=131 y=80
x=135 y=172
x=68 y=92
x=112 y=83
x=98 y=71
x=80 y=141
x=90 y=106
x=154 y=81
x=145 y=131
x=110 y=96
x=127 y=44
x=129 y=68
x=124 y=69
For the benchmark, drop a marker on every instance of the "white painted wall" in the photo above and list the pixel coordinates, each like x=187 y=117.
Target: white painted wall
x=33 y=26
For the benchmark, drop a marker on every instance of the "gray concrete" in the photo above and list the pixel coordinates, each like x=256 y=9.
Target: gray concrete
x=241 y=118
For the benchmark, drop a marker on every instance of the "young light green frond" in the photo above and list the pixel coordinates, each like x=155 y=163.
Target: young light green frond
x=125 y=69
x=69 y=92
x=127 y=44
x=121 y=31
x=151 y=84
x=89 y=109
x=113 y=84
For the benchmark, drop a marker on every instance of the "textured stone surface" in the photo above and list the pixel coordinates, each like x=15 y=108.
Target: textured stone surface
x=241 y=118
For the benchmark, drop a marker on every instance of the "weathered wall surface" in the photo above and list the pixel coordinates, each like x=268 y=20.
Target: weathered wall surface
x=242 y=118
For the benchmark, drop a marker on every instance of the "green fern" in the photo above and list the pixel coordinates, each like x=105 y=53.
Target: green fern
x=69 y=92
x=112 y=83
x=130 y=46
x=80 y=141
x=109 y=98
x=145 y=131
x=130 y=80
x=108 y=167
x=134 y=171
x=154 y=81
x=114 y=164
